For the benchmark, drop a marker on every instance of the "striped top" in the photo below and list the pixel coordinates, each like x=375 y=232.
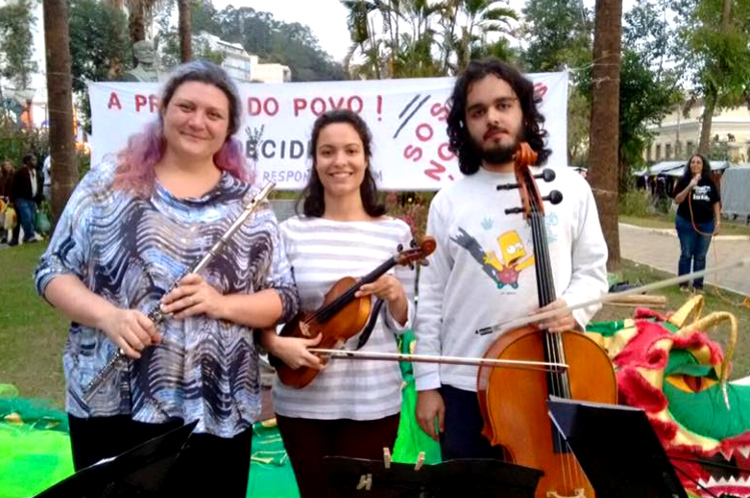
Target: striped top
x=130 y=250
x=322 y=252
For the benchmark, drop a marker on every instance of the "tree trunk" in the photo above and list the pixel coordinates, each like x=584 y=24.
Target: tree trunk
x=605 y=122
x=185 y=30
x=136 y=21
x=60 y=101
x=709 y=105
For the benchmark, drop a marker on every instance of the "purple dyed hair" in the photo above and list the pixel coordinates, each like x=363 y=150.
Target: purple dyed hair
x=135 y=163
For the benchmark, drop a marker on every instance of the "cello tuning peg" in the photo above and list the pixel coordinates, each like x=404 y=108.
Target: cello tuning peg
x=400 y=247
x=507 y=186
x=413 y=243
x=514 y=210
x=411 y=266
x=554 y=197
x=424 y=262
x=547 y=175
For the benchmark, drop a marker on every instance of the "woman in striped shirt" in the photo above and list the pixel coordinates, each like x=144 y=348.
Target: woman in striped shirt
x=352 y=407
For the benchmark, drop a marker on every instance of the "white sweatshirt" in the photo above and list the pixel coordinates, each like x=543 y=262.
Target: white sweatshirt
x=470 y=284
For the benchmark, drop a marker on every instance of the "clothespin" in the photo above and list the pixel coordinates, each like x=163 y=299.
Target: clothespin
x=420 y=461
x=365 y=482
x=386 y=457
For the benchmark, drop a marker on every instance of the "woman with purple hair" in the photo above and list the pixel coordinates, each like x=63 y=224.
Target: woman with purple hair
x=130 y=229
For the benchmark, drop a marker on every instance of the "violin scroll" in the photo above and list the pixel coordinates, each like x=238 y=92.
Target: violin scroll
x=417 y=253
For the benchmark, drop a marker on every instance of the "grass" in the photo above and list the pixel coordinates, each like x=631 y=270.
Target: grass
x=714 y=300
x=33 y=334
x=667 y=221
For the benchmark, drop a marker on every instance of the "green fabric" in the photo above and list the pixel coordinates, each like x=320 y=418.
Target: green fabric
x=683 y=362
x=705 y=413
x=35 y=454
x=411 y=439
x=34 y=445
x=271 y=474
x=606 y=329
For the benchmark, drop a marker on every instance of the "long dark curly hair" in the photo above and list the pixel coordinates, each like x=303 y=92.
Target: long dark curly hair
x=313 y=197
x=460 y=143
x=687 y=175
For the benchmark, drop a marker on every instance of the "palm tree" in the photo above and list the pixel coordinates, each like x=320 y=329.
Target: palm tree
x=605 y=124
x=185 y=30
x=60 y=98
x=482 y=19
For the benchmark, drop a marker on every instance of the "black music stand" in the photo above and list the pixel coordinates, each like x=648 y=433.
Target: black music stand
x=476 y=478
x=617 y=449
x=139 y=472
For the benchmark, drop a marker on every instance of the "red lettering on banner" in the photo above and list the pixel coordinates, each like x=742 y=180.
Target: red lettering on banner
x=424 y=132
x=413 y=153
x=439 y=111
x=153 y=103
x=355 y=100
x=540 y=90
x=140 y=101
x=114 y=100
x=256 y=107
x=318 y=106
x=444 y=152
x=299 y=105
x=336 y=105
x=435 y=171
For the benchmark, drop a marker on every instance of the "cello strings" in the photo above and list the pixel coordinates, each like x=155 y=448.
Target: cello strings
x=561 y=386
x=543 y=278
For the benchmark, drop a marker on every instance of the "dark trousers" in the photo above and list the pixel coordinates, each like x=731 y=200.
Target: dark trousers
x=462 y=437
x=693 y=247
x=308 y=441
x=206 y=464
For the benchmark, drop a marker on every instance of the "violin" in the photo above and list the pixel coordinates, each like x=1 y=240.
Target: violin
x=342 y=315
x=513 y=402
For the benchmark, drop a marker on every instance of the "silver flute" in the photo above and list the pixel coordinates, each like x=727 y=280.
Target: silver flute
x=119 y=360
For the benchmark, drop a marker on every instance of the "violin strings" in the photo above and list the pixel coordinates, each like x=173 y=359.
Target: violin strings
x=334 y=306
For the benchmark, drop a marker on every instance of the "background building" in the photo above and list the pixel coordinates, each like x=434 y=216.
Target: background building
x=678 y=135
x=239 y=64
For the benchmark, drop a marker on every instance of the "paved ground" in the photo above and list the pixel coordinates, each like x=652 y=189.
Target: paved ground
x=661 y=249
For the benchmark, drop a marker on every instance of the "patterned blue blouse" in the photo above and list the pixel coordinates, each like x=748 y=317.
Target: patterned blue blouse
x=130 y=250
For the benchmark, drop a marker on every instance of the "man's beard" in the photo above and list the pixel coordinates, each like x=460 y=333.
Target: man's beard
x=501 y=153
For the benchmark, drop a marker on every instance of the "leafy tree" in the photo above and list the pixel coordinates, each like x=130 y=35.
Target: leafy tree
x=16 y=47
x=99 y=44
x=558 y=33
x=648 y=88
x=715 y=40
x=100 y=48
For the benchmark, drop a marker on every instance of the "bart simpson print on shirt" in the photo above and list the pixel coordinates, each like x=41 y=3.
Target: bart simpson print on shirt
x=503 y=271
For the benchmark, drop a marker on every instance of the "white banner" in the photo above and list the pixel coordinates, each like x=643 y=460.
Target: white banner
x=406 y=117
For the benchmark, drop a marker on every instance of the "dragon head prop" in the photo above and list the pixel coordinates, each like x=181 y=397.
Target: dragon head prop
x=678 y=376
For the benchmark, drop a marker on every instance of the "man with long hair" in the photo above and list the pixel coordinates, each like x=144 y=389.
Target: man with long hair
x=482 y=272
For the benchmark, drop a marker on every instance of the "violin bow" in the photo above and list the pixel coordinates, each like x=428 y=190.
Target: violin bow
x=453 y=360
x=520 y=322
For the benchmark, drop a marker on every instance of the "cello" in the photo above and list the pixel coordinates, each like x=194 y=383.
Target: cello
x=517 y=418
x=342 y=314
